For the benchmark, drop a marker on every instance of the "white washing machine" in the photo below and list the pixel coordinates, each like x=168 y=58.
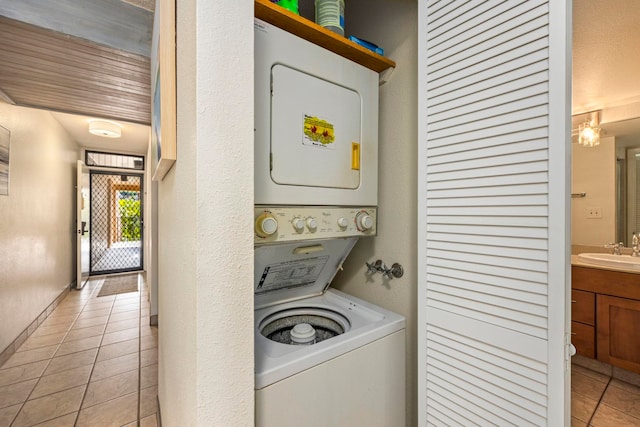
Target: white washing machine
x=322 y=357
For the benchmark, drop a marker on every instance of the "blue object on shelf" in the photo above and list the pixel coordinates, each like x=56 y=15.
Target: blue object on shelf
x=368 y=45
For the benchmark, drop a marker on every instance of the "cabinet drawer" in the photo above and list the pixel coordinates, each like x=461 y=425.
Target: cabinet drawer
x=608 y=282
x=583 y=337
x=583 y=307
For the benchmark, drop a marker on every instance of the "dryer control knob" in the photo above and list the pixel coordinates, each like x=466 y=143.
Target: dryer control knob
x=342 y=222
x=312 y=224
x=266 y=225
x=298 y=224
x=364 y=221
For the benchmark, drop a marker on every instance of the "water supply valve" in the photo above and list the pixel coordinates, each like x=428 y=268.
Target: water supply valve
x=379 y=266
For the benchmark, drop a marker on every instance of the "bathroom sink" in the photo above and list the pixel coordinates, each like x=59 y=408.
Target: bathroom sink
x=609 y=260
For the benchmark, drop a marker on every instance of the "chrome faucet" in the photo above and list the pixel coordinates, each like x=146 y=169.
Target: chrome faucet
x=615 y=246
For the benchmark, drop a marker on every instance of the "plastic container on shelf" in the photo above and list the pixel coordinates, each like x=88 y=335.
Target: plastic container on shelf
x=290 y=5
x=330 y=15
x=371 y=46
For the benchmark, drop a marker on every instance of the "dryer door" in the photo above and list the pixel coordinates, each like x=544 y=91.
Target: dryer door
x=315 y=131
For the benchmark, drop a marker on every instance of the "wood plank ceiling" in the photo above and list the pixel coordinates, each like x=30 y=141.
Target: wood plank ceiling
x=45 y=69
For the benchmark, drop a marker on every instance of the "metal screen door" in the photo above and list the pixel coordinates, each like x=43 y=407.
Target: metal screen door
x=116 y=219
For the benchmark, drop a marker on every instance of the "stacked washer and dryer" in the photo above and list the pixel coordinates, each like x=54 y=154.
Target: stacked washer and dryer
x=322 y=357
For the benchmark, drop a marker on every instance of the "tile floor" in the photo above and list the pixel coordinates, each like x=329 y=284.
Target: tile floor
x=603 y=396
x=93 y=362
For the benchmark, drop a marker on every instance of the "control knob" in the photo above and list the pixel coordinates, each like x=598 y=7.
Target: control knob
x=342 y=222
x=364 y=221
x=298 y=224
x=266 y=224
x=312 y=224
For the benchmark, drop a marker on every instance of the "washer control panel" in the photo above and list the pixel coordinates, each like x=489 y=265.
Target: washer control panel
x=274 y=224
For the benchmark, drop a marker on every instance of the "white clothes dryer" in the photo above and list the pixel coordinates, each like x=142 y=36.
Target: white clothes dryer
x=322 y=357
x=316 y=124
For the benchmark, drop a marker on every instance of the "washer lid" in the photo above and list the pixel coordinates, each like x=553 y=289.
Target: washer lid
x=291 y=271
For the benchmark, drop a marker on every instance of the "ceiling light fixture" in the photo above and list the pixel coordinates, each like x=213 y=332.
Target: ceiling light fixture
x=589 y=130
x=105 y=128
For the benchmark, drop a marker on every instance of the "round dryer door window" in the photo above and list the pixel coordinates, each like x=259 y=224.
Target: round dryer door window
x=303 y=326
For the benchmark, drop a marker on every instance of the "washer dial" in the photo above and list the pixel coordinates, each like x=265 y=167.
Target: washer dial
x=298 y=224
x=266 y=224
x=364 y=221
x=312 y=224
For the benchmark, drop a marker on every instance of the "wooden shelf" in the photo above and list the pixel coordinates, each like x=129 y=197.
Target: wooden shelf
x=314 y=33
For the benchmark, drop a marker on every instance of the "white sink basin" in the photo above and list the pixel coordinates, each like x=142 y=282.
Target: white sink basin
x=609 y=260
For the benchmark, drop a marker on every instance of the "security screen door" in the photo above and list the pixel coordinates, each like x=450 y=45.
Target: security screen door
x=116 y=223
x=494 y=174
x=83 y=224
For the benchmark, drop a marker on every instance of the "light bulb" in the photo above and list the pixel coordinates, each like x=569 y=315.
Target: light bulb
x=588 y=134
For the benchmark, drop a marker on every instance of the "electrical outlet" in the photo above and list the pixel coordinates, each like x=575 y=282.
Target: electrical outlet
x=594 y=212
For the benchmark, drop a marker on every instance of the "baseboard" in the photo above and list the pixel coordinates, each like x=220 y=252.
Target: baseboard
x=22 y=337
x=158 y=415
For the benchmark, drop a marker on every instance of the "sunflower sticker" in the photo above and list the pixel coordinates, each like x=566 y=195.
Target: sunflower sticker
x=318 y=132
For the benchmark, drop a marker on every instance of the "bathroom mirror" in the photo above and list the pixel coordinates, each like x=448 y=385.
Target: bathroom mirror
x=628 y=185
x=606 y=185
x=605 y=61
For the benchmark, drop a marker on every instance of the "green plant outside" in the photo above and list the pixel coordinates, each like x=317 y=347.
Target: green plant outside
x=130 y=219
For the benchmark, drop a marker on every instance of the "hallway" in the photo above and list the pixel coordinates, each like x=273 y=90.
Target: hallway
x=93 y=361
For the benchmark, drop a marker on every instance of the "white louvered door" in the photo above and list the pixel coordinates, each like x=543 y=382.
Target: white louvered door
x=494 y=247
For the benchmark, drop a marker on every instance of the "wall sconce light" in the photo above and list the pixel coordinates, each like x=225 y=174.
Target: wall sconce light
x=589 y=130
x=105 y=128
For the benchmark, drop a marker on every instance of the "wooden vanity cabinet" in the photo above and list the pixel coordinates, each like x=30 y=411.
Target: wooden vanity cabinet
x=583 y=338
x=606 y=316
x=619 y=332
x=583 y=307
x=583 y=315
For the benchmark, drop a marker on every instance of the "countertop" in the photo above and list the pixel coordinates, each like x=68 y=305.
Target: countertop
x=575 y=261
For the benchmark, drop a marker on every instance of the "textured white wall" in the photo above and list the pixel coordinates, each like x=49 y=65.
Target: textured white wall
x=594 y=173
x=37 y=219
x=392 y=25
x=205 y=224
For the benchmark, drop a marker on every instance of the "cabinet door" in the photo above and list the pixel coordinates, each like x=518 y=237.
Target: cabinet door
x=618 y=332
x=583 y=338
x=583 y=307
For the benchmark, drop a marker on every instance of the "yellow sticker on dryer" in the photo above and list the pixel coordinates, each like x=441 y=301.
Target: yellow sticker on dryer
x=318 y=132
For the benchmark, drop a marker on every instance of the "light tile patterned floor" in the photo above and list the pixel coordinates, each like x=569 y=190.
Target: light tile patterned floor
x=93 y=362
x=604 y=396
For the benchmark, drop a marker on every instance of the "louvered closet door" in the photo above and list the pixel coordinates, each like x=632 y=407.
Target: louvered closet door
x=494 y=83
